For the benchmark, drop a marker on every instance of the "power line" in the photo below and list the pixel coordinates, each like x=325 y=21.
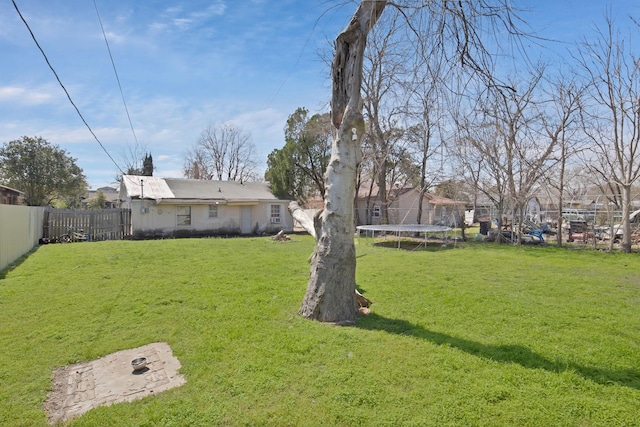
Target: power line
x=63 y=87
x=115 y=71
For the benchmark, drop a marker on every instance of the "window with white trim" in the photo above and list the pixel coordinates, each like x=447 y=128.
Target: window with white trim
x=183 y=215
x=275 y=214
x=213 y=211
x=376 y=212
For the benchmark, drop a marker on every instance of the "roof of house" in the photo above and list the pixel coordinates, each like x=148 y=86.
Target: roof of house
x=145 y=187
x=4 y=187
x=397 y=191
x=182 y=190
x=107 y=189
x=110 y=194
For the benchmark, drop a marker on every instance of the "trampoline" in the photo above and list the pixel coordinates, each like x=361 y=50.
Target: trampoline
x=398 y=229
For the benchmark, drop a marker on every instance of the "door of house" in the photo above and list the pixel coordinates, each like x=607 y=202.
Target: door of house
x=245 y=220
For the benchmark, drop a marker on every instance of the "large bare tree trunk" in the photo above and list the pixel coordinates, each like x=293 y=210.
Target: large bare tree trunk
x=626 y=223
x=330 y=295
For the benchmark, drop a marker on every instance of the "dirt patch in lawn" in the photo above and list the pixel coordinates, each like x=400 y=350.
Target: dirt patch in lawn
x=79 y=388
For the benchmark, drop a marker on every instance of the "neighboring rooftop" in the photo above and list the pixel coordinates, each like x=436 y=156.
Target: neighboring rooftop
x=148 y=187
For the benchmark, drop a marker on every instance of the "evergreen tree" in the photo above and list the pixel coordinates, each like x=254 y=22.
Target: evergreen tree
x=147 y=165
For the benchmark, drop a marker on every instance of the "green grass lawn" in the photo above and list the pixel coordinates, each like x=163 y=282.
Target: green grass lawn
x=471 y=335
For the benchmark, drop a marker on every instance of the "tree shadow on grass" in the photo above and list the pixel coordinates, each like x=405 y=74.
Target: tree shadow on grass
x=507 y=353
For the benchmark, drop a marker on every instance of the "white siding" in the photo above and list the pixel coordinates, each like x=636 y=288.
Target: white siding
x=157 y=220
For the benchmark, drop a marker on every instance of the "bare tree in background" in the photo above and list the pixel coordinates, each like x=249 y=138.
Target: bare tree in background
x=137 y=160
x=223 y=152
x=614 y=117
x=502 y=128
x=196 y=164
x=382 y=67
x=561 y=126
x=482 y=163
x=425 y=109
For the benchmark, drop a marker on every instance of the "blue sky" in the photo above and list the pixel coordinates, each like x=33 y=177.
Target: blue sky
x=186 y=64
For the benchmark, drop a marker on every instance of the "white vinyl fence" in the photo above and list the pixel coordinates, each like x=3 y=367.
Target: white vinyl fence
x=20 y=230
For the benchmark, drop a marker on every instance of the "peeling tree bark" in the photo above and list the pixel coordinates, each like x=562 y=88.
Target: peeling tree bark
x=330 y=295
x=305 y=221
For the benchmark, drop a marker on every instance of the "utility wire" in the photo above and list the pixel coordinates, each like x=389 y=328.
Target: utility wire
x=63 y=87
x=115 y=71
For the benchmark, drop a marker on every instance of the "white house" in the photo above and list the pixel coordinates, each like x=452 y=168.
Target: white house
x=169 y=207
x=403 y=206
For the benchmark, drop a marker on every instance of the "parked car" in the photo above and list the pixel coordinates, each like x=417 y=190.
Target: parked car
x=617 y=232
x=569 y=215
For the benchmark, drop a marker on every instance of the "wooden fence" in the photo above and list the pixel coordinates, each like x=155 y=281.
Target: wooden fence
x=94 y=224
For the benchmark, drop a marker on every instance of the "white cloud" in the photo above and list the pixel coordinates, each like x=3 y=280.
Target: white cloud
x=178 y=17
x=217 y=9
x=182 y=23
x=124 y=17
x=157 y=26
x=9 y=92
x=25 y=95
x=115 y=37
x=173 y=10
x=168 y=166
x=68 y=136
x=266 y=127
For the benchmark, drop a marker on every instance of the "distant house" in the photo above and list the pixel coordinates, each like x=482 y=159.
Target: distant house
x=10 y=196
x=403 y=207
x=169 y=207
x=111 y=196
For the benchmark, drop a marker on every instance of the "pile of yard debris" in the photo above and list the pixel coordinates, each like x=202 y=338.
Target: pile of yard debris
x=281 y=237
